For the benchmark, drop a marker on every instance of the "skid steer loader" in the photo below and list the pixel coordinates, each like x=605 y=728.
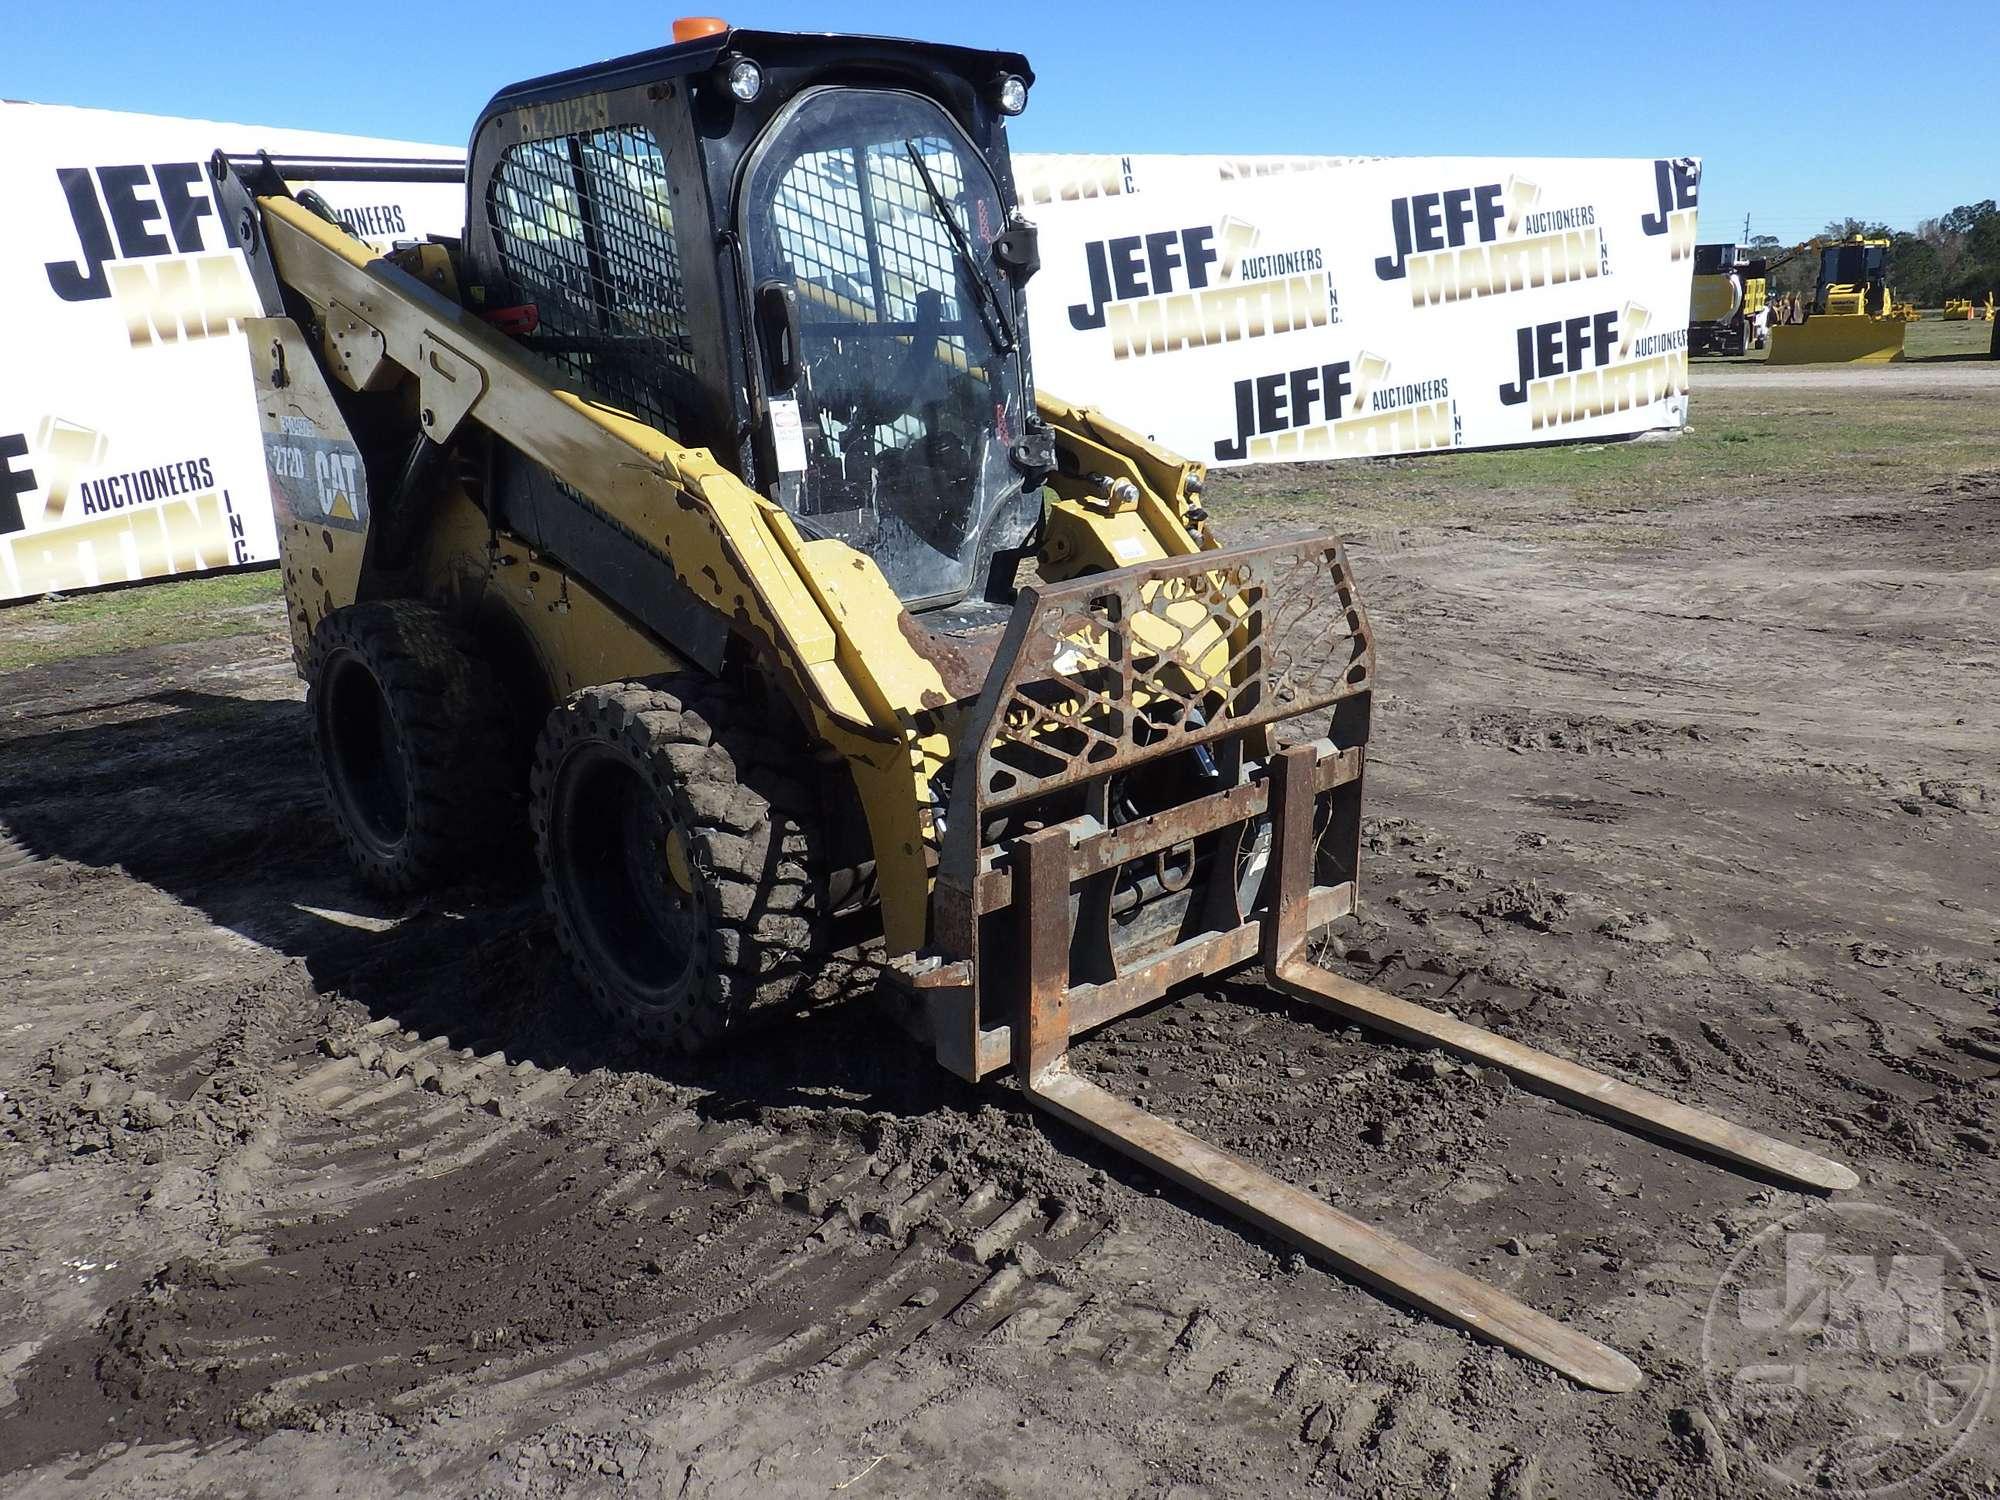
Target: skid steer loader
x=709 y=460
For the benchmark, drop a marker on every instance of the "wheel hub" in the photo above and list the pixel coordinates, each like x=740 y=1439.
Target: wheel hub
x=629 y=879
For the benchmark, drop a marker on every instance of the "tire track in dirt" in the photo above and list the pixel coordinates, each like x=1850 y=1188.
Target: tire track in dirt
x=14 y=854
x=441 y=1221
x=433 y=1216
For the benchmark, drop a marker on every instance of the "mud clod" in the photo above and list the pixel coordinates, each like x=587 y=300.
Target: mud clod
x=1529 y=903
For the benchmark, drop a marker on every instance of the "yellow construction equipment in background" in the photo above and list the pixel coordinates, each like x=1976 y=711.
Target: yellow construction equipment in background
x=1729 y=289
x=1853 y=318
x=1957 y=309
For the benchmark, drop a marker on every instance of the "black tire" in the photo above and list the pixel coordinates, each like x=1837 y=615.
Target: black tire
x=679 y=950
x=412 y=733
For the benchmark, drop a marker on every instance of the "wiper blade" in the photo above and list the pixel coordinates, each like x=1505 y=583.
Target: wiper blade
x=991 y=313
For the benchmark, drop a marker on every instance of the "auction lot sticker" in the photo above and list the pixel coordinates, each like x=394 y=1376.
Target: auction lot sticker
x=1850 y=1350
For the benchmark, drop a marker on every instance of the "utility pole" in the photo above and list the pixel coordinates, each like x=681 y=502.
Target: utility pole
x=1746 y=229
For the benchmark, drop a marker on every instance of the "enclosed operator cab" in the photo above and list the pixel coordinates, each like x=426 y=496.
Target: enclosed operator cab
x=800 y=253
x=1853 y=278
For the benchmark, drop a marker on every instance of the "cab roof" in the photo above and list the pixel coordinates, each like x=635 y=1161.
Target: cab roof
x=770 y=49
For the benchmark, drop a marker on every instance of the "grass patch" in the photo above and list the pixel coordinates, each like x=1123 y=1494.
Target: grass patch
x=1741 y=440
x=1925 y=339
x=1933 y=338
x=152 y=614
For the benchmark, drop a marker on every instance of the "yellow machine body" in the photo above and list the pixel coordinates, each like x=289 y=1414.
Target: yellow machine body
x=1854 y=320
x=1832 y=338
x=1714 y=298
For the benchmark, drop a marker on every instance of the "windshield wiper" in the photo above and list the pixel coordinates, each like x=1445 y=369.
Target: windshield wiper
x=991 y=312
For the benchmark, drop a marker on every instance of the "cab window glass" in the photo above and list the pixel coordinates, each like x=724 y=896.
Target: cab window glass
x=880 y=218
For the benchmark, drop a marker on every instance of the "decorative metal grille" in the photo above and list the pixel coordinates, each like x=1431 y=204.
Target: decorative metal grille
x=585 y=227
x=1125 y=666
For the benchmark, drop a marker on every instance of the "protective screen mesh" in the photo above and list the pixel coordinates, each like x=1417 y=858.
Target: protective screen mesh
x=857 y=221
x=585 y=228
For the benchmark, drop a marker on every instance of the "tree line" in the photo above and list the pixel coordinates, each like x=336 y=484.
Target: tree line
x=1957 y=254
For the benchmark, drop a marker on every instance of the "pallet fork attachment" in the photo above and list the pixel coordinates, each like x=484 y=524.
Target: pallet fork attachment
x=1042 y=875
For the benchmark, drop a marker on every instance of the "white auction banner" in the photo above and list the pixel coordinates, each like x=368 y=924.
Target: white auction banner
x=1239 y=310
x=129 y=445
x=1252 y=310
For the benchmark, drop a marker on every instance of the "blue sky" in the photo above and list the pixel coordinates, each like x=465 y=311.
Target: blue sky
x=1789 y=143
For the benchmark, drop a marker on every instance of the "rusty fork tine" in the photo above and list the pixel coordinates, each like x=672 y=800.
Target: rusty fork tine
x=1357 y=1249
x=1588 y=1090
x=1041 y=1056
x=1288 y=969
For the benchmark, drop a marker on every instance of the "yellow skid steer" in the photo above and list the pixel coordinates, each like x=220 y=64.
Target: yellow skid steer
x=699 y=502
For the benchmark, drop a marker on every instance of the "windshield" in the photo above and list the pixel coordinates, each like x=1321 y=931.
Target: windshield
x=879 y=216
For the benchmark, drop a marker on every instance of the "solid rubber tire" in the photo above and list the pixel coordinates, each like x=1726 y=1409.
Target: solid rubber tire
x=730 y=785
x=439 y=803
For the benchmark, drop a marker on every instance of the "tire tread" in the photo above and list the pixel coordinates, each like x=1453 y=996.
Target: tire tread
x=450 y=712
x=757 y=854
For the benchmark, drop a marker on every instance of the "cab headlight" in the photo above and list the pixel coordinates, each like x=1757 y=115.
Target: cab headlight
x=744 y=78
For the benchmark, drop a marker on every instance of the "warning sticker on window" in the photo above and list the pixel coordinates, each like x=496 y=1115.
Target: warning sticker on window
x=788 y=436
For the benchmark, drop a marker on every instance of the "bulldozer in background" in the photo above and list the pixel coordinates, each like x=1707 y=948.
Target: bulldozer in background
x=700 y=497
x=1853 y=318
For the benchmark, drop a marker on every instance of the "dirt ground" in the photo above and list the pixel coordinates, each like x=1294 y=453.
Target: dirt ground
x=302 y=1194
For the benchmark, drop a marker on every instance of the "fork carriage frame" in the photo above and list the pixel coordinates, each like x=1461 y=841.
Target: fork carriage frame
x=1056 y=716
x=1093 y=679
